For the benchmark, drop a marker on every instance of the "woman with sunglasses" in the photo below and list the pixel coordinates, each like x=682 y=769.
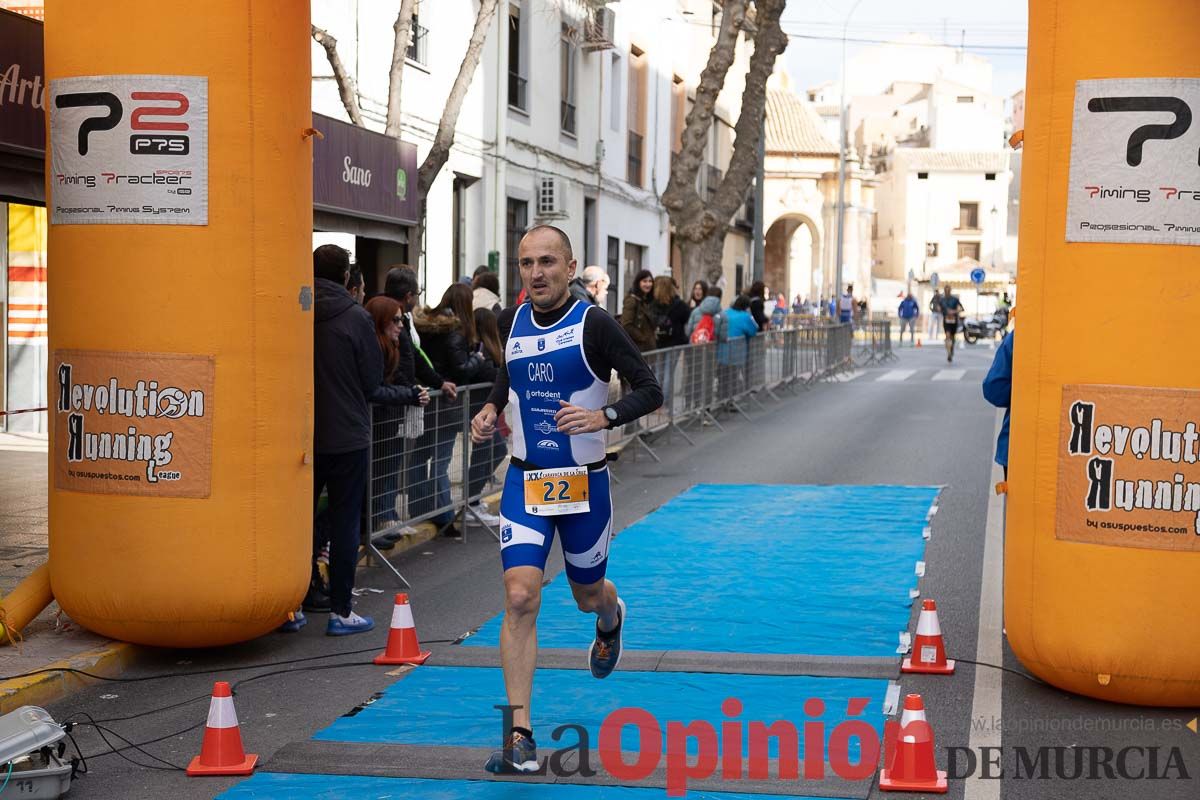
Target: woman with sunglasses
x=387 y=445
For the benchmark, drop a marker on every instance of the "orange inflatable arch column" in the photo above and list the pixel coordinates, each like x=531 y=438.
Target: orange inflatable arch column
x=179 y=185
x=1102 y=553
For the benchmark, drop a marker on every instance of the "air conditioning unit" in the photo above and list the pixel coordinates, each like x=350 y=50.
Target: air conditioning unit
x=549 y=200
x=599 y=29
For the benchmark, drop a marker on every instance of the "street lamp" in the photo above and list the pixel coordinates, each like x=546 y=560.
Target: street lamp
x=995 y=212
x=841 y=201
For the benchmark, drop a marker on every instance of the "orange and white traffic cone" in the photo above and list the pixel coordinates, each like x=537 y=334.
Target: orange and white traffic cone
x=222 y=753
x=929 y=650
x=911 y=764
x=913 y=711
x=402 y=644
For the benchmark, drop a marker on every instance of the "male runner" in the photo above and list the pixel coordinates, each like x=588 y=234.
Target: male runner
x=559 y=354
x=952 y=311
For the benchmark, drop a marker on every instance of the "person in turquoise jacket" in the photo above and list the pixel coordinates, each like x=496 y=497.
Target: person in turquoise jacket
x=732 y=353
x=997 y=390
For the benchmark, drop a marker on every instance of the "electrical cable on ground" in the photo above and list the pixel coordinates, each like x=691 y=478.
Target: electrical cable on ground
x=1025 y=675
x=101 y=730
x=192 y=673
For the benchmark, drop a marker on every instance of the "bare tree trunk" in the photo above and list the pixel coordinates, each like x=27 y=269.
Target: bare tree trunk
x=436 y=158
x=403 y=30
x=347 y=89
x=681 y=199
x=701 y=260
x=700 y=227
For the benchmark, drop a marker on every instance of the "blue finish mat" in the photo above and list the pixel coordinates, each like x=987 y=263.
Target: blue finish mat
x=455 y=705
x=277 y=786
x=805 y=570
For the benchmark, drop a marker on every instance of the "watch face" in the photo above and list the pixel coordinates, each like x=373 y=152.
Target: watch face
x=611 y=413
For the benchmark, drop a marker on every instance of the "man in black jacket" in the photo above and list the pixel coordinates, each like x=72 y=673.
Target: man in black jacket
x=347 y=376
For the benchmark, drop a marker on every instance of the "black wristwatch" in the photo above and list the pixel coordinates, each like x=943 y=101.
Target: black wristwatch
x=610 y=414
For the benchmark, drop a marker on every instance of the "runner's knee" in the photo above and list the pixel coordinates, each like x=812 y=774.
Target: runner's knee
x=522 y=599
x=589 y=599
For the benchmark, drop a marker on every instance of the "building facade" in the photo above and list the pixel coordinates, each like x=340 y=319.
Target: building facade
x=571 y=119
x=800 y=202
x=23 y=264
x=935 y=137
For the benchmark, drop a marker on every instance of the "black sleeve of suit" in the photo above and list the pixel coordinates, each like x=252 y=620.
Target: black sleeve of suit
x=608 y=347
x=499 y=395
x=391 y=395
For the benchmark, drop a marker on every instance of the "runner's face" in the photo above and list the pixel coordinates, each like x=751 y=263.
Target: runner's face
x=545 y=270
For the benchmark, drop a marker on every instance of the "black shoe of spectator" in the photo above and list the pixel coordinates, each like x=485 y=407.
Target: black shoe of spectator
x=317 y=599
x=451 y=531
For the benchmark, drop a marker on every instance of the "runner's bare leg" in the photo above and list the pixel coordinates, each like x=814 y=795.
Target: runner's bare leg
x=518 y=638
x=599 y=598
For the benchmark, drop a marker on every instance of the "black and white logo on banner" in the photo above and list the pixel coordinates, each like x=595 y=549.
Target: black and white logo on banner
x=1135 y=162
x=129 y=149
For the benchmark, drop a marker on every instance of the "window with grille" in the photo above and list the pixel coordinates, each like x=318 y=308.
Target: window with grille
x=548 y=201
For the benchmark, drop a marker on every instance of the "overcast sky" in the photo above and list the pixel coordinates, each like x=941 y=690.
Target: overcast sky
x=996 y=31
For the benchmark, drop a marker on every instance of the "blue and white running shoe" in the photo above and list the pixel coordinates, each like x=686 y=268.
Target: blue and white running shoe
x=518 y=755
x=605 y=652
x=344 y=626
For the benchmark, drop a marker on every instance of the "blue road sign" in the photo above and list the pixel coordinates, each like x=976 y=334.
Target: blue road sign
x=977 y=276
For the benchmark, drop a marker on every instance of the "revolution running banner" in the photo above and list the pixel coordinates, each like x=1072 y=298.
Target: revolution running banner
x=1129 y=467
x=132 y=423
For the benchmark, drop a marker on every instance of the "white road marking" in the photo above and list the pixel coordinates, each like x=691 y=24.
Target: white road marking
x=987 y=702
x=950 y=375
x=897 y=375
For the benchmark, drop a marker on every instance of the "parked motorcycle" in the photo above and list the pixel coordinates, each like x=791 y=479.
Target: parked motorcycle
x=976 y=329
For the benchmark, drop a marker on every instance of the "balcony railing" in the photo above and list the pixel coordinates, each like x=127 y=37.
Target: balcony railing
x=633 y=159
x=418 y=45
x=516 y=91
x=567 y=117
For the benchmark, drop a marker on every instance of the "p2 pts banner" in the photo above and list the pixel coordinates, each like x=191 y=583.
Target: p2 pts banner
x=1135 y=162
x=1129 y=467
x=129 y=149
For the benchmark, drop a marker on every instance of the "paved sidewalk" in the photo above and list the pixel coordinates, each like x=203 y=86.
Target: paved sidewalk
x=51 y=637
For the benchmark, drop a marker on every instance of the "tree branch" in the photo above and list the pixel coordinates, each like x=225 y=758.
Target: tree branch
x=403 y=30
x=681 y=199
x=345 y=83
x=769 y=42
x=437 y=156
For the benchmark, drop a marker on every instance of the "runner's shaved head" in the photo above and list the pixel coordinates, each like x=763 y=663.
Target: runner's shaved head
x=564 y=240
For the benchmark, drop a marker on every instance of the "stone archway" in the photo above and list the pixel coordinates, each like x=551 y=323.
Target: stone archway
x=792 y=256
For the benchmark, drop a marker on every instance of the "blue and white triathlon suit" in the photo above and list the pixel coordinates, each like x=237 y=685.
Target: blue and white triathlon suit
x=546 y=365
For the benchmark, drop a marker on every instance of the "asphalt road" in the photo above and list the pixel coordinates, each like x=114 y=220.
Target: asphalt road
x=886 y=425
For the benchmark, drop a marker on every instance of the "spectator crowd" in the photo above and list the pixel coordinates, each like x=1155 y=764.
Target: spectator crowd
x=388 y=407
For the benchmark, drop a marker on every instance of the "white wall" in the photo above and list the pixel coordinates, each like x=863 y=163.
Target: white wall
x=913 y=212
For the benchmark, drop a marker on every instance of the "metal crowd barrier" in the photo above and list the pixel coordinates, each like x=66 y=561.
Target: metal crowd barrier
x=873 y=344
x=425 y=468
